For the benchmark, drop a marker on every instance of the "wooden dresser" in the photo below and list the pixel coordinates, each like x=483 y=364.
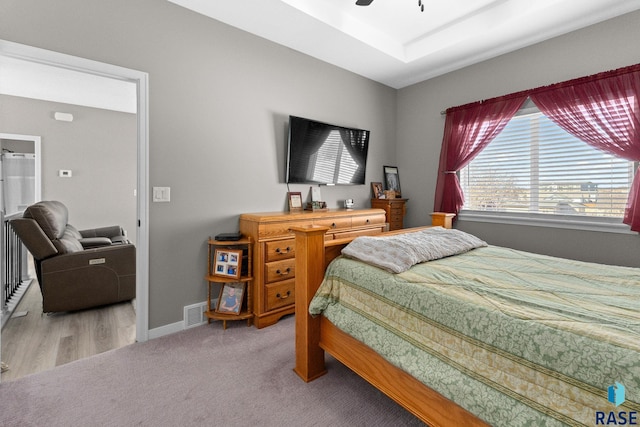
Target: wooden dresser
x=274 y=251
x=395 y=210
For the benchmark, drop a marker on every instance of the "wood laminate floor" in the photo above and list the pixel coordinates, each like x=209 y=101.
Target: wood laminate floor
x=38 y=342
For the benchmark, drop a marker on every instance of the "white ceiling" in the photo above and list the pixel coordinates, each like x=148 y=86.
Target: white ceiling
x=394 y=43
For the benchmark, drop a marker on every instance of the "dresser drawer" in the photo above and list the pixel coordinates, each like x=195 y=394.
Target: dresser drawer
x=355 y=233
x=280 y=229
x=280 y=249
x=395 y=225
x=280 y=294
x=396 y=217
x=360 y=221
x=280 y=270
x=334 y=223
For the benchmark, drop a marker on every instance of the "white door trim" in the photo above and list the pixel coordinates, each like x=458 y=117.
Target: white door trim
x=37 y=150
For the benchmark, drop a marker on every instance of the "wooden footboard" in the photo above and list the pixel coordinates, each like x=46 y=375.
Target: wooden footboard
x=316 y=335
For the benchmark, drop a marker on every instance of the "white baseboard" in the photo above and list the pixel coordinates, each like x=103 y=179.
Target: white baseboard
x=184 y=324
x=166 y=330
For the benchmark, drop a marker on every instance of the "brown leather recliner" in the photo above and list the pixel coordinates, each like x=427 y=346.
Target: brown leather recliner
x=76 y=269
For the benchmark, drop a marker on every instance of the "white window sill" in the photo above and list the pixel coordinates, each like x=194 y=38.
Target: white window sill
x=603 y=225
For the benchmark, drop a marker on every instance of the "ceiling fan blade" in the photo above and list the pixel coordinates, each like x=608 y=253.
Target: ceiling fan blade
x=364 y=2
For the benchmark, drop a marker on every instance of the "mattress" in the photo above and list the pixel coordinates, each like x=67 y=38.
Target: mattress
x=518 y=339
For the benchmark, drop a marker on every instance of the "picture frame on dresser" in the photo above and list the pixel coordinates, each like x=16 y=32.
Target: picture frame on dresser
x=228 y=263
x=376 y=188
x=231 y=298
x=295 y=201
x=392 y=179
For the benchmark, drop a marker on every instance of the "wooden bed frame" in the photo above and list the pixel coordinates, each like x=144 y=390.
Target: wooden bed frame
x=316 y=335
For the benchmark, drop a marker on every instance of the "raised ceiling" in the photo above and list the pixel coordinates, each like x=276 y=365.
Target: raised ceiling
x=394 y=43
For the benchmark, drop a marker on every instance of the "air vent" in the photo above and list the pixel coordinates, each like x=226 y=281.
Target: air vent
x=194 y=315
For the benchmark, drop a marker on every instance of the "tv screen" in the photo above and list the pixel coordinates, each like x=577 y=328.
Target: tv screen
x=321 y=153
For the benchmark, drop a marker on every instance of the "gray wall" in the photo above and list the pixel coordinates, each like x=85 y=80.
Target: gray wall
x=219 y=102
x=598 y=48
x=99 y=147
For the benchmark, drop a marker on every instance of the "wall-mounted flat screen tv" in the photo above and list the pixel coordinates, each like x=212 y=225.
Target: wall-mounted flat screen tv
x=322 y=153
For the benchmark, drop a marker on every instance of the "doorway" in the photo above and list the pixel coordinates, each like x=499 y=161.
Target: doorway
x=20 y=186
x=88 y=67
x=24 y=146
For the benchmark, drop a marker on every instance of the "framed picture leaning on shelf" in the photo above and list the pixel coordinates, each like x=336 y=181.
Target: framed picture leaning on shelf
x=392 y=179
x=228 y=263
x=230 y=300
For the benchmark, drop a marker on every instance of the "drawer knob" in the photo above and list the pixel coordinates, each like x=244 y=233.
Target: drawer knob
x=367 y=221
x=287 y=271
x=278 y=295
x=333 y=225
x=285 y=251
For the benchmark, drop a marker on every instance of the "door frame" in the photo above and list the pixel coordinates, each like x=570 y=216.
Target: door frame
x=37 y=150
x=34 y=142
x=141 y=80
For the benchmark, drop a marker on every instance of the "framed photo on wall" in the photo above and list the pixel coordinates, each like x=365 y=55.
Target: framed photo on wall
x=230 y=299
x=392 y=179
x=228 y=263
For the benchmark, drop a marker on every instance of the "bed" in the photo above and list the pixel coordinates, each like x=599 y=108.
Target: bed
x=489 y=336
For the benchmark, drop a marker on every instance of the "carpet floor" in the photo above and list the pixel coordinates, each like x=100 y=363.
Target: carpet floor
x=240 y=376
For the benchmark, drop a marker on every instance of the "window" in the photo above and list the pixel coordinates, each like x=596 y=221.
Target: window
x=535 y=167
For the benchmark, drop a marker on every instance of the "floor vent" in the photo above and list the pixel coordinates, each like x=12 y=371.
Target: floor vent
x=194 y=315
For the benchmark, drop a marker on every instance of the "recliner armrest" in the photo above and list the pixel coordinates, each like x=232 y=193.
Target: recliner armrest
x=95 y=242
x=111 y=231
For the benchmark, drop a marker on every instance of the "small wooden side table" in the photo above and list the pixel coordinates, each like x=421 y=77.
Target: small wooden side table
x=246 y=313
x=395 y=210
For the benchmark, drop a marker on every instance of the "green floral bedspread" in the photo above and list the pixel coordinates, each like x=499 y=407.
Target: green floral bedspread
x=518 y=339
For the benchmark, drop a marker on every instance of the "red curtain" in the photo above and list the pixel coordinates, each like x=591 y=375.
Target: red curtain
x=604 y=112
x=467 y=131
